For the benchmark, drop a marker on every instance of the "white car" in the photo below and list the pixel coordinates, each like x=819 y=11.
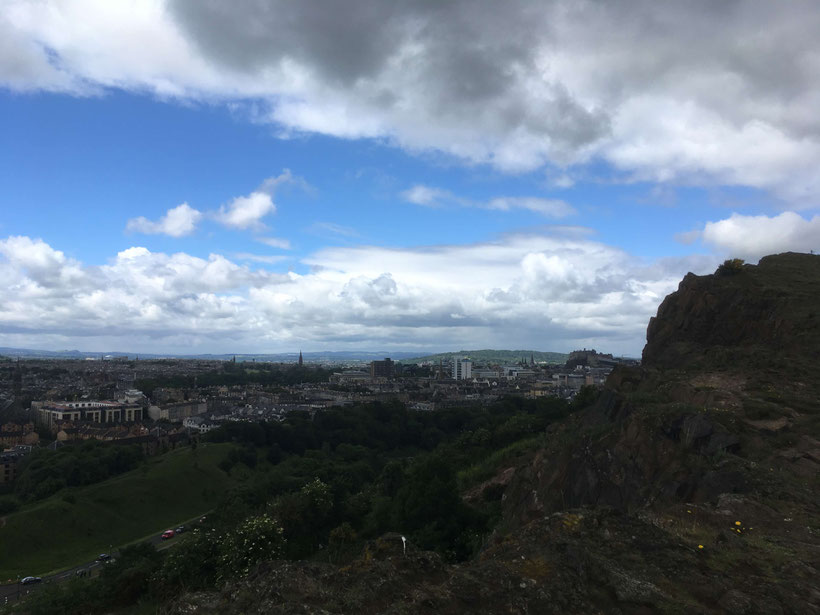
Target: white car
x=30 y=580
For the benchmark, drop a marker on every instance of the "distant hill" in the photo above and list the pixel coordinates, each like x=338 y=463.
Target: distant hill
x=282 y=357
x=494 y=356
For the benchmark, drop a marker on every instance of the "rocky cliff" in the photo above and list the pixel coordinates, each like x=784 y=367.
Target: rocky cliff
x=690 y=486
x=740 y=313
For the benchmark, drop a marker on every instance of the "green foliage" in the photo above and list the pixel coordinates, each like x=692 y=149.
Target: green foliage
x=731 y=266
x=255 y=539
x=429 y=508
x=45 y=472
x=239 y=374
x=489 y=465
x=121 y=583
x=585 y=397
x=166 y=490
x=306 y=516
x=342 y=476
x=193 y=565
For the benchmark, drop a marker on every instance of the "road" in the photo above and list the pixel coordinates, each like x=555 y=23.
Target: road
x=14 y=591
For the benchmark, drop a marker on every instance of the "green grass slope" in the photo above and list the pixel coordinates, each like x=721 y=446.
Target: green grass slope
x=66 y=530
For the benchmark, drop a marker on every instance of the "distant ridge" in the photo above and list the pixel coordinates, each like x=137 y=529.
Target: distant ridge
x=483 y=356
x=495 y=356
x=282 y=357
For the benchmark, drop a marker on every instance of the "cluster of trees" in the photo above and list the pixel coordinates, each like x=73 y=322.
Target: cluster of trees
x=317 y=487
x=44 y=472
x=378 y=467
x=231 y=374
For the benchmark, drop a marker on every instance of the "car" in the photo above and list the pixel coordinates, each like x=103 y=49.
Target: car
x=180 y=529
x=103 y=557
x=168 y=534
x=30 y=580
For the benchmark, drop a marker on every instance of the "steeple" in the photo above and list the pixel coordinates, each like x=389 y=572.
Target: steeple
x=301 y=361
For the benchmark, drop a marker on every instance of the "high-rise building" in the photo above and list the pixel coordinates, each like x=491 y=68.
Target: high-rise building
x=382 y=369
x=462 y=369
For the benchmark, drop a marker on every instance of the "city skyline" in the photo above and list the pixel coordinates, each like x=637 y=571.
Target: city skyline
x=188 y=178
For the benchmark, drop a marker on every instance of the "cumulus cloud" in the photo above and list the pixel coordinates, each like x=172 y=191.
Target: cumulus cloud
x=751 y=237
x=245 y=212
x=437 y=197
x=541 y=290
x=177 y=222
x=696 y=92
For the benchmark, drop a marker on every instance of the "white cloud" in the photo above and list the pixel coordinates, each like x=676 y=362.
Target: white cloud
x=535 y=290
x=245 y=212
x=437 y=197
x=332 y=229
x=519 y=86
x=177 y=222
x=751 y=237
x=275 y=242
x=427 y=196
x=270 y=259
x=552 y=208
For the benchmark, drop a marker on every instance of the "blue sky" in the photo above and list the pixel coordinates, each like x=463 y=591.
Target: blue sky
x=423 y=178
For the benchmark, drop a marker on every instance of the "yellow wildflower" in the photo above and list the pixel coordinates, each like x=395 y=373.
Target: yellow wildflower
x=737 y=522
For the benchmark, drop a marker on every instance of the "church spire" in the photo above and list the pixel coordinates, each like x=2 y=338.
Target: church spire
x=301 y=362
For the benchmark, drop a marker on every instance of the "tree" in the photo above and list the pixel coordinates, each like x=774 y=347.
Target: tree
x=254 y=540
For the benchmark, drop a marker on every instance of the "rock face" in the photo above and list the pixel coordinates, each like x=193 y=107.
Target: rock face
x=771 y=309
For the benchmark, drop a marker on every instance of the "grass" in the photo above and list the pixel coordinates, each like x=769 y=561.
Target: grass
x=488 y=467
x=55 y=534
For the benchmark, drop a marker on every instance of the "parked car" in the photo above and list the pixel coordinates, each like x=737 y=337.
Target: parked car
x=30 y=580
x=168 y=534
x=180 y=529
x=103 y=557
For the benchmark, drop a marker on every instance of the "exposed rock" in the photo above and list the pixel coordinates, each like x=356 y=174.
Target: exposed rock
x=710 y=319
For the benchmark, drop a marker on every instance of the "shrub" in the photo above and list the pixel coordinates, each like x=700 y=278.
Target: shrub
x=731 y=266
x=254 y=540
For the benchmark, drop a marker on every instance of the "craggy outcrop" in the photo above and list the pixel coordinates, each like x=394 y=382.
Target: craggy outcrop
x=772 y=309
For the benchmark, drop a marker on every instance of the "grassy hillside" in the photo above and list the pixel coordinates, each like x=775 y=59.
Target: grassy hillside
x=68 y=529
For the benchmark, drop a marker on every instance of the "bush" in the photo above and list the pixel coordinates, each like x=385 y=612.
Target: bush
x=254 y=540
x=731 y=266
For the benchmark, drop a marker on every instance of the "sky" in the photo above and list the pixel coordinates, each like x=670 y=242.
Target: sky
x=262 y=176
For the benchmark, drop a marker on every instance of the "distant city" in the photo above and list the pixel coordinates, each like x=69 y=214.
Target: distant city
x=160 y=403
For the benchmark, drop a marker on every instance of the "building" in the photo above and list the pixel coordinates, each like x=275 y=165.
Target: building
x=382 y=369
x=200 y=424
x=52 y=413
x=177 y=412
x=462 y=369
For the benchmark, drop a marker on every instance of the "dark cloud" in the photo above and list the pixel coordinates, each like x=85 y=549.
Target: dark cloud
x=696 y=92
